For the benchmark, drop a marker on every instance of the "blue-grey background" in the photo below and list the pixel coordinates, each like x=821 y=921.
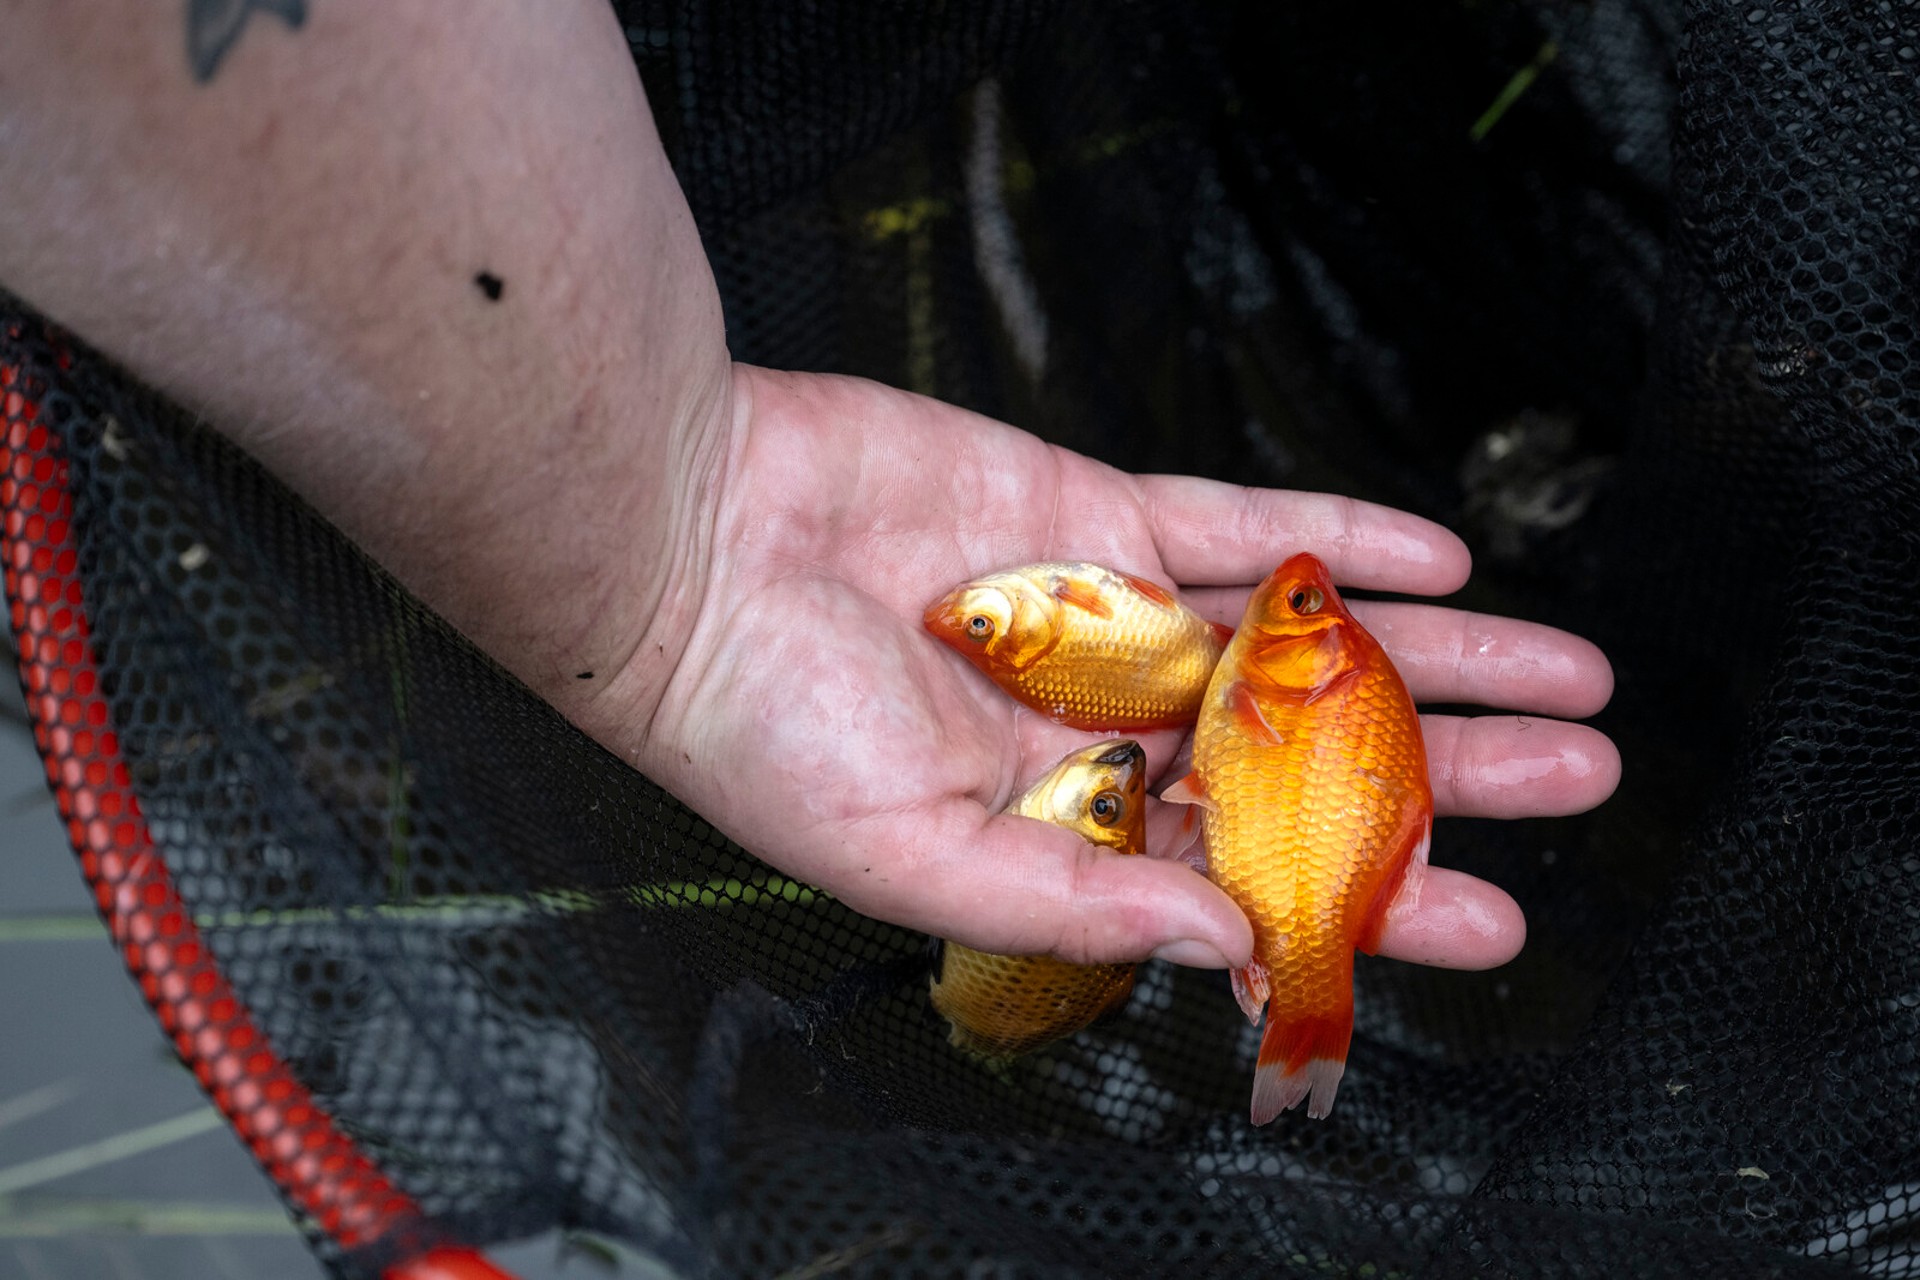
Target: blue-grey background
x=112 y=1162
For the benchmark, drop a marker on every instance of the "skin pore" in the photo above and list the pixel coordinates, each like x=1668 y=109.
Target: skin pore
x=430 y=265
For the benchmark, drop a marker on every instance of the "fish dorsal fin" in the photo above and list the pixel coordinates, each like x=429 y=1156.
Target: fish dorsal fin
x=1082 y=595
x=1151 y=590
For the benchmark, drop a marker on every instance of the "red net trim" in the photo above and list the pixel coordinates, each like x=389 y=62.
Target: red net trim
x=317 y=1166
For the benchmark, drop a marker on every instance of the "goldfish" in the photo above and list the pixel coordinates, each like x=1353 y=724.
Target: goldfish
x=1004 y=1006
x=1311 y=779
x=1084 y=645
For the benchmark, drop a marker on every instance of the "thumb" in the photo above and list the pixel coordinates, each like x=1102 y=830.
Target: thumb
x=1018 y=886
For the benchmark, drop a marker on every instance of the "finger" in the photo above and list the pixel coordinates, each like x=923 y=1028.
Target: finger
x=1443 y=917
x=1517 y=766
x=1456 y=921
x=1451 y=655
x=1017 y=886
x=1173 y=831
x=1209 y=533
x=1041 y=744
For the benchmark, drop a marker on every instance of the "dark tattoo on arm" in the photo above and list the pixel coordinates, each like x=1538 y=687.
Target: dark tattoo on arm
x=213 y=26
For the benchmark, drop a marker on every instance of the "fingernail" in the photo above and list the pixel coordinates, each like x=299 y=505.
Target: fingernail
x=1193 y=953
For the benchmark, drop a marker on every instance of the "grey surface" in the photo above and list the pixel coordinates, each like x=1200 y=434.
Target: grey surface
x=85 y=1073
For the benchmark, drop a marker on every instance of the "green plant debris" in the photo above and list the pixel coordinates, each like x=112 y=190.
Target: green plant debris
x=48 y=1097
x=1521 y=82
x=610 y=1257
x=48 y=1219
x=905 y=218
x=120 y=1146
x=1106 y=146
x=280 y=699
x=453 y=910
x=74 y=927
x=836 y=1261
x=725 y=893
x=462 y=909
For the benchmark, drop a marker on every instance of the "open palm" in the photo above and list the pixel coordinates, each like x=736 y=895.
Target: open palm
x=811 y=717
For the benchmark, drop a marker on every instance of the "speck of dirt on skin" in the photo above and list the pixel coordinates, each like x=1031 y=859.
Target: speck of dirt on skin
x=491 y=285
x=584 y=675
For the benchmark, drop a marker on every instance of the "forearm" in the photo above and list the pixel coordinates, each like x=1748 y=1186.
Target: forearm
x=426 y=261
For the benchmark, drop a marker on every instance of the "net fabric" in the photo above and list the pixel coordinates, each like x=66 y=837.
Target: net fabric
x=1645 y=340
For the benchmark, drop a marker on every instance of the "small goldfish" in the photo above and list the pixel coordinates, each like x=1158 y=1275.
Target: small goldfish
x=1311 y=776
x=1087 y=646
x=1004 y=1006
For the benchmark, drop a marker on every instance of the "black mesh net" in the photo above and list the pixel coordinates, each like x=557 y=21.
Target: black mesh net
x=1624 y=291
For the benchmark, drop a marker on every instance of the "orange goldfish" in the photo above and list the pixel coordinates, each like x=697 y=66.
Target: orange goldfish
x=1311 y=777
x=1086 y=646
x=1004 y=1006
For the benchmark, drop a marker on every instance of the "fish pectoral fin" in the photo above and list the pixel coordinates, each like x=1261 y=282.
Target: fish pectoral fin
x=1251 y=987
x=1244 y=707
x=1191 y=789
x=1188 y=847
x=1082 y=595
x=1407 y=866
x=1331 y=684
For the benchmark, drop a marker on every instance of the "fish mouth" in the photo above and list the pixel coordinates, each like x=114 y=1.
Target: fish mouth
x=1124 y=753
x=944 y=619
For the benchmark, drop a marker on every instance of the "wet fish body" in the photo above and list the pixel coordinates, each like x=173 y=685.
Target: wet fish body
x=1311 y=775
x=1084 y=645
x=1004 y=1006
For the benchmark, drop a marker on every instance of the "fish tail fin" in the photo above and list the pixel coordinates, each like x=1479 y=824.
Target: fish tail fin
x=1302 y=1057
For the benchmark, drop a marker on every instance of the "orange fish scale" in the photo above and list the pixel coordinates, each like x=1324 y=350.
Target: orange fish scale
x=1086 y=645
x=1143 y=665
x=1004 y=1006
x=1296 y=822
x=1310 y=768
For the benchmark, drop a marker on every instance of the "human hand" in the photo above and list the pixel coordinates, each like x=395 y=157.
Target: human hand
x=802 y=708
x=528 y=462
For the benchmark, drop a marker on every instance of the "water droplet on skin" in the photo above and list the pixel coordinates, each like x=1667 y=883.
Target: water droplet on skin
x=1516 y=772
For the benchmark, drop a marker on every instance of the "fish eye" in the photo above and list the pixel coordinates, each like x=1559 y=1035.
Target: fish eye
x=1108 y=808
x=1307 y=600
x=979 y=626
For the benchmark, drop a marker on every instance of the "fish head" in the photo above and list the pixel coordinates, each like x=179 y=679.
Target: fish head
x=1098 y=792
x=1003 y=622
x=1296 y=638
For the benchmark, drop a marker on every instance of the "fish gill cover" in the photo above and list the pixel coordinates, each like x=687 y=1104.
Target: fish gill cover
x=1621 y=290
